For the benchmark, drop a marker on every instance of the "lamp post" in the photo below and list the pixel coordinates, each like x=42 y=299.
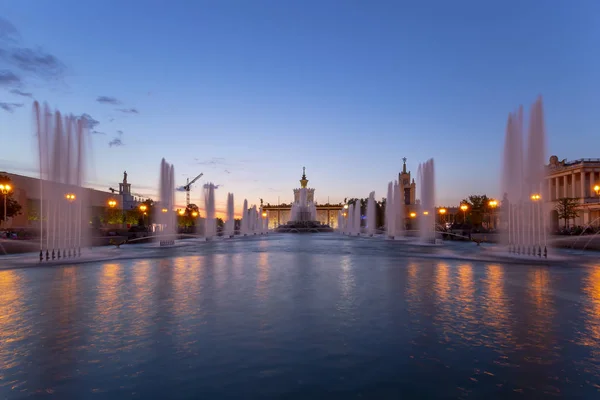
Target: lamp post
x=597 y=190
x=143 y=209
x=464 y=209
x=492 y=204
x=536 y=198
x=442 y=212
x=70 y=198
x=5 y=188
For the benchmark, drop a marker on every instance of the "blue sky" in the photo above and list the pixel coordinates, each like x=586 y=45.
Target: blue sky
x=248 y=92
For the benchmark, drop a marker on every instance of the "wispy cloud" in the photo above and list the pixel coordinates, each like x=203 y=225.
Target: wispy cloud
x=90 y=122
x=213 y=161
x=28 y=60
x=9 y=78
x=98 y=133
x=8 y=32
x=227 y=171
x=108 y=100
x=21 y=93
x=10 y=107
x=128 y=110
x=36 y=61
x=117 y=141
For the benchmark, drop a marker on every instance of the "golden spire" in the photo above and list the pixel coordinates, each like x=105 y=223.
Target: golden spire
x=303 y=181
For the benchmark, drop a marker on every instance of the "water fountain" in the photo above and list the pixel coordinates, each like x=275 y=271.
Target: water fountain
x=356 y=224
x=262 y=222
x=371 y=215
x=253 y=219
x=427 y=218
x=341 y=222
x=390 y=211
x=399 y=210
x=303 y=214
x=210 y=222
x=349 y=227
x=230 y=223
x=522 y=183
x=167 y=218
x=244 y=222
x=63 y=223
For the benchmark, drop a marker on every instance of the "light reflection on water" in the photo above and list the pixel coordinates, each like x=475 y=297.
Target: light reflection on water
x=271 y=317
x=497 y=309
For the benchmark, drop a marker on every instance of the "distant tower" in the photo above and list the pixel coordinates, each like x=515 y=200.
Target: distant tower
x=310 y=193
x=303 y=181
x=125 y=187
x=407 y=185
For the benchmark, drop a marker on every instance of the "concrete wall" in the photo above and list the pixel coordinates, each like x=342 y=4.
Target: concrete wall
x=27 y=193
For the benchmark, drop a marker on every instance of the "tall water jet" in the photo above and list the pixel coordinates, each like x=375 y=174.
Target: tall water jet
x=399 y=208
x=63 y=223
x=230 y=223
x=210 y=222
x=427 y=218
x=371 y=215
x=244 y=222
x=253 y=220
x=261 y=221
x=522 y=183
x=350 y=220
x=166 y=217
x=357 y=218
x=390 y=212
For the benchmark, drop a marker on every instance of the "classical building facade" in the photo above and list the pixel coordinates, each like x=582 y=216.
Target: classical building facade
x=280 y=214
x=574 y=179
x=327 y=213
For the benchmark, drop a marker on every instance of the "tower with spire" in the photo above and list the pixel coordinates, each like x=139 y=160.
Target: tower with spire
x=407 y=185
x=310 y=193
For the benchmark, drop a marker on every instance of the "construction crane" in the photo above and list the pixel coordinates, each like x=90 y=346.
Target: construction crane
x=187 y=187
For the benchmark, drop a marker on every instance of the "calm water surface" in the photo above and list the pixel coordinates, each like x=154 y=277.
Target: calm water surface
x=299 y=317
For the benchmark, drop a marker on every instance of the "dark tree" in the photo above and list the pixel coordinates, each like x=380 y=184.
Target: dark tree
x=567 y=209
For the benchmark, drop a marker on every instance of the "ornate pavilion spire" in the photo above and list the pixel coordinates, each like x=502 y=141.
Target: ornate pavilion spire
x=303 y=181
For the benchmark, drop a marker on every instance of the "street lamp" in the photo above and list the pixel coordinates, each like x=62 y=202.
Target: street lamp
x=164 y=210
x=464 y=209
x=181 y=212
x=143 y=209
x=194 y=214
x=112 y=203
x=413 y=214
x=264 y=214
x=5 y=188
x=442 y=212
x=425 y=212
x=70 y=238
x=597 y=190
x=492 y=204
x=535 y=199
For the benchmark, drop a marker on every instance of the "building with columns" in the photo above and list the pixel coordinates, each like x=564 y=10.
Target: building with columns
x=280 y=214
x=574 y=179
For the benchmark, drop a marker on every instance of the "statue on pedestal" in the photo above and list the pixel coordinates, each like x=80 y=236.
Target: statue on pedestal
x=125 y=177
